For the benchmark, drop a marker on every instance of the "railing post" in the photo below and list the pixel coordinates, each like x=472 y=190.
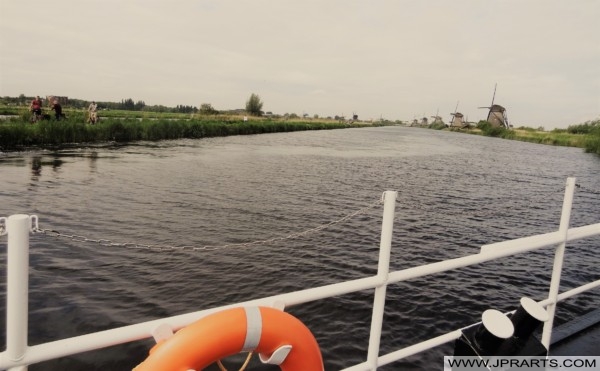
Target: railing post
x=558 y=261
x=17 y=287
x=383 y=269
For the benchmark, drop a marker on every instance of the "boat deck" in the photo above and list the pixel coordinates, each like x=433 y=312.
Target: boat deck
x=580 y=337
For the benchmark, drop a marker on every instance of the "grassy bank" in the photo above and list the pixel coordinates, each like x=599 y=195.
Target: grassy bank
x=586 y=135
x=552 y=138
x=17 y=134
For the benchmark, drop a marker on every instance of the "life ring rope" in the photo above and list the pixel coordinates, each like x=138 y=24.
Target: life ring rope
x=246 y=362
x=254 y=326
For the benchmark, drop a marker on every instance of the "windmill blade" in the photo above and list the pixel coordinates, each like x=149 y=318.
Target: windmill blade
x=494 y=96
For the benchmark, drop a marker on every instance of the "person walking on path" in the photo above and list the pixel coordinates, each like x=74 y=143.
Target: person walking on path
x=36 y=109
x=93 y=114
x=57 y=108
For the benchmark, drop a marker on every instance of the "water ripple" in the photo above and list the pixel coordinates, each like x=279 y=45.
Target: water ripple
x=456 y=193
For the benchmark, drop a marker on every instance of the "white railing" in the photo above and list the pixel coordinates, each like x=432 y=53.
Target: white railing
x=18 y=354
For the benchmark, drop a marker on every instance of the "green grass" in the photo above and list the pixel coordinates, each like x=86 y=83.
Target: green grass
x=592 y=131
x=143 y=114
x=592 y=144
x=585 y=135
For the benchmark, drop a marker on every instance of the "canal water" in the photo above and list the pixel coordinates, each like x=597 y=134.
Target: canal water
x=235 y=195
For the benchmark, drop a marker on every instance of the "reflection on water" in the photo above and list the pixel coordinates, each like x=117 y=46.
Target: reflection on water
x=36 y=167
x=38 y=162
x=93 y=157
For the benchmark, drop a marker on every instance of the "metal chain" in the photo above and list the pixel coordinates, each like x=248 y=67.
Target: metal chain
x=3 y=230
x=33 y=222
x=131 y=245
x=586 y=190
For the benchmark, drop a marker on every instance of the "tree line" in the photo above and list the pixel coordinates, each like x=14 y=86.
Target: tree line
x=253 y=105
x=125 y=104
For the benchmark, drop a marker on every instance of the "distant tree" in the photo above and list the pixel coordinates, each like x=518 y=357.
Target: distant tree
x=139 y=105
x=181 y=108
x=156 y=108
x=127 y=104
x=207 y=109
x=254 y=105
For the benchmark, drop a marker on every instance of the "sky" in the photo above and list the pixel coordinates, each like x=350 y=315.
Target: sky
x=391 y=59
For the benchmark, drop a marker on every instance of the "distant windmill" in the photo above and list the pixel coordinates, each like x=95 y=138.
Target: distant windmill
x=437 y=119
x=497 y=114
x=457 y=120
x=424 y=121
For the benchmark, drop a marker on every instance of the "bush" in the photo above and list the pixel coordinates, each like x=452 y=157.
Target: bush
x=588 y=127
x=495 y=131
x=438 y=126
x=592 y=143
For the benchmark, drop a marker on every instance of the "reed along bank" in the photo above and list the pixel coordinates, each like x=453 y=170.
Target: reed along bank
x=15 y=135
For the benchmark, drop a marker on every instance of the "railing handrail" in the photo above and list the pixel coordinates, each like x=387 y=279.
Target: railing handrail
x=18 y=355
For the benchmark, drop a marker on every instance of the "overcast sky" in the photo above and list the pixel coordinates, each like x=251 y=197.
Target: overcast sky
x=396 y=59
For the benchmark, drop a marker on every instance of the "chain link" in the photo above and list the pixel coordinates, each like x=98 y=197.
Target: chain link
x=3 y=230
x=131 y=245
x=587 y=190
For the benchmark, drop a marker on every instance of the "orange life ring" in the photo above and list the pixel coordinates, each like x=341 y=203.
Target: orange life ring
x=278 y=337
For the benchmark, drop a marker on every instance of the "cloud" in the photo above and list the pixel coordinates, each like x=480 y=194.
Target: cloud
x=390 y=58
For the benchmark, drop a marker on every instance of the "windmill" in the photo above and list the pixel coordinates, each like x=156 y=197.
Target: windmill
x=457 y=120
x=437 y=119
x=497 y=114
